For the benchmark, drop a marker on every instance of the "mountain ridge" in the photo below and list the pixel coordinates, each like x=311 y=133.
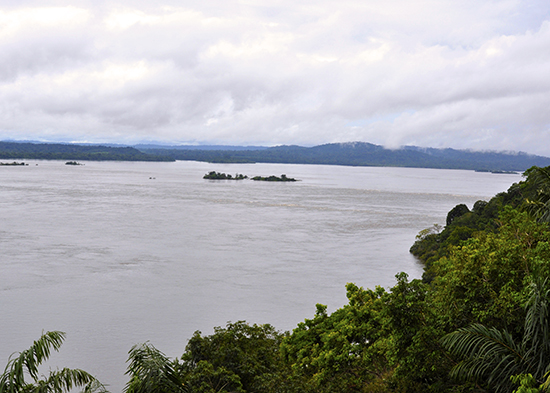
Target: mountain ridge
x=365 y=154
x=344 y=153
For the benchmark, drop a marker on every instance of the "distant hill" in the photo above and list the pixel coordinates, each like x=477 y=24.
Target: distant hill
x=199 y=147
x=59 y=151
x=351 y=153
x=362 y=154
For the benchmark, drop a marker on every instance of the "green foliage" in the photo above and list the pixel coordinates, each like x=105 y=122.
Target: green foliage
x=418 y=361
x=239 y=357
x=207 y=379
x=213 y=175
x=27 y=363
x=273 y=178
x=457 y=211
x=527 y=382
x=462 y=224
x=57 y=151
x=492 y=357
x=435 y=229
x=152 y=372
x=539 y=202
x=485 y=280
x=344 y=351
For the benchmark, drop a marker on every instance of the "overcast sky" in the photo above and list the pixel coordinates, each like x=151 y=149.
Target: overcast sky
x=436 y=73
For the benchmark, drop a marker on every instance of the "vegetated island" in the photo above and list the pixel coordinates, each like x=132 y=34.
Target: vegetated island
x=273 y=178
x=13 y=164
x=498 y=172
x=213 y=175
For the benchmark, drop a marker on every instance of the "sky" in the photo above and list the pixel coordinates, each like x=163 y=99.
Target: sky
x=469 y=74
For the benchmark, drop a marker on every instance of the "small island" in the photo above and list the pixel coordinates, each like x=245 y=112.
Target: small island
x=498 y=172
x=73 y=163
x=273 y=178
x=13 y=164
x=505 y=172
x=222 y=176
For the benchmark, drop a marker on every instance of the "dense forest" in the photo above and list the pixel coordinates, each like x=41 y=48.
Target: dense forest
x=57 y=151
x=357 y=154
x=477 y=321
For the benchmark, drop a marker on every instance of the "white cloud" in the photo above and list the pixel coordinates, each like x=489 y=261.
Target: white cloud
x=469 y=74
x=29 y=20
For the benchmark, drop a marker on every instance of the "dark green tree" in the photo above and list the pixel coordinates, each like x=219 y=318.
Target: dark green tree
x=239 y=357
x=457 y=211
x=486 y=279
x=491 y=357
x=539 y=201
x=344 y=351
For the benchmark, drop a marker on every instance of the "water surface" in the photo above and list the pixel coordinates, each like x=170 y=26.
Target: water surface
x=118 y=253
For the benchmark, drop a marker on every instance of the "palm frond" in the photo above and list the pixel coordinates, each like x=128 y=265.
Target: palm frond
x=95 y=387
x=28 y=361
x=489 y=355
x=151 y=371
x=536 y=337
x=540 y=206
x=66 y=379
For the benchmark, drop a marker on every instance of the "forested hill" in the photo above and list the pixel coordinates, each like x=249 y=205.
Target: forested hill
x=54 y=151
x=354 y=154
x=362 y=154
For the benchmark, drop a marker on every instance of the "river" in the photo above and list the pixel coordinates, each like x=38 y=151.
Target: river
x=119 y=253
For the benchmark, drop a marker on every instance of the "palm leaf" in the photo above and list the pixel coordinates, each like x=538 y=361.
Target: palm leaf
x=537 y=333
x=489 y=355
x=28 y=361
x=66 y=379
x=151 y=371
x=540 y=206
x=492 y=356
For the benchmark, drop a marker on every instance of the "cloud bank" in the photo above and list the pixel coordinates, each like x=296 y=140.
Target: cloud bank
x=437 y=73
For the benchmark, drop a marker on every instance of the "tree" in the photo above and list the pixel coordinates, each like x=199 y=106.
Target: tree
x=485 y=280
x=539 y=204
x=237 y=358
x=27 y=363
x=492 y=357
x=412 y=319
x=457 y=211
x=343 y=351
x=152 y=372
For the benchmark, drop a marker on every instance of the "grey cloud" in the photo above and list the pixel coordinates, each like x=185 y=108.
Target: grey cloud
x=440 y=73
